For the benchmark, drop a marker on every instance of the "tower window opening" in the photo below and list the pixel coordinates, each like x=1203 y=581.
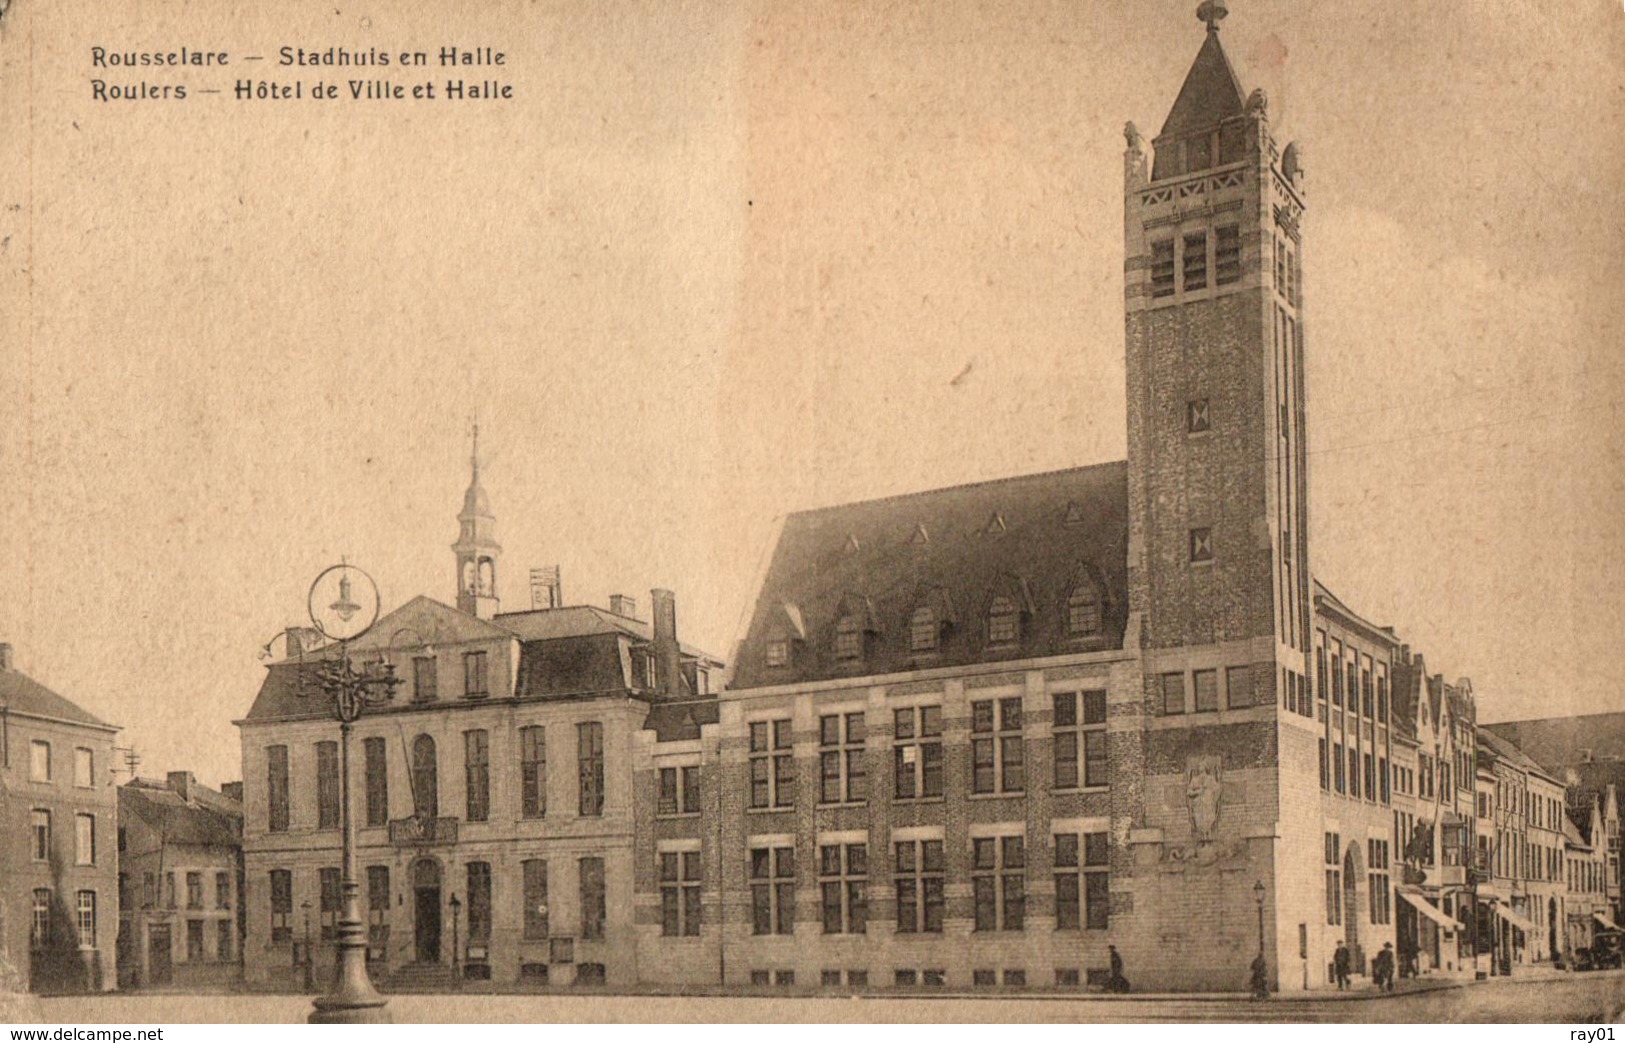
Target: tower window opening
x=1226 y=255
x=1199 y=153
x=1195 y=258
x=1162 y=268
x=1198 y=416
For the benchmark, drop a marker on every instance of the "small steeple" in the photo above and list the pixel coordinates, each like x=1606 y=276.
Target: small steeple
x=476 y=548
x=1212 y=12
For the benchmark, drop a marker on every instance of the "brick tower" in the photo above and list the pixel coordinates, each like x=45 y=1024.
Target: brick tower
x=1218 y=570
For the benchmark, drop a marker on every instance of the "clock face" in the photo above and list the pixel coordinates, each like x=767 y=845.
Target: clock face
x=343 y=602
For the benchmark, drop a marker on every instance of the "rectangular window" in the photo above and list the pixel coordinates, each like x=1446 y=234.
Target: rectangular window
x=477 y=779
x=84 y=767
x=169 y=890
x=474 y=676
x=425 y=680
x=224 y=943
x=84 y=847
x=1334 y=880
x=1370 y=777
x=1226 y=255
x=773 y=890
x=194 y=889
x=41 y=835
x=375 y=753
x=39 y=928
x=1173 y=693
x=998 y=882
x=592 y=898
x=1082 y=891
x=1206 y=684
x=919 y=882
x=1325 y=781
x=194 y=941
x=332 y=902
x=680 y=893
x=917 y=752
x=377 y=912
x=778 y=652
x=772 y=765
x=1238 y=684
x=222 y=890
x=533 y=771
x=87 y=919
x=679 y=791
x=327 y=785
x=276 y=771
x=281 y=906
x=998 y=753
x=843 y=879
x=590 y=765
x=1201 y=546
x=535 y=898
x=479 y=904
x=1079 y=739
x=1337 y=768
x=39 y=761
x=842 y=774
x=1198 y=416
x=1162 y=268
x=1195 y=258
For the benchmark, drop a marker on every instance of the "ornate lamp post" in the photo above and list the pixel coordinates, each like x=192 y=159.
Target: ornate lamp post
x=343 y=619
x=456 y=949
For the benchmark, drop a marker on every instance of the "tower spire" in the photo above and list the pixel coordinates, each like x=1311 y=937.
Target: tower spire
x=476 y=547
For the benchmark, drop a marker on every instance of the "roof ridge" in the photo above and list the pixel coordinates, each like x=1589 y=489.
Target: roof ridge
x=1007 y=479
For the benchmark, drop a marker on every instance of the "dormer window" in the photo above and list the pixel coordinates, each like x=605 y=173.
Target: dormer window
x=1083 y=612
x=923 y=629
x=1003 y=621
x=778 y=652
x=848 y=638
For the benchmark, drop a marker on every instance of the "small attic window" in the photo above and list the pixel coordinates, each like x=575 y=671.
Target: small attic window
x=778 y=652
x=848 y=638
x=923 y=630
x=1003 y=621
x=1083 y=612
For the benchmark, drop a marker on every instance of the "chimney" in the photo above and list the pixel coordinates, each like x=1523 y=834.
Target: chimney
x=623 y=605
x=234 y=790
x=5 y=656
x=668 y=657
x=182 y=782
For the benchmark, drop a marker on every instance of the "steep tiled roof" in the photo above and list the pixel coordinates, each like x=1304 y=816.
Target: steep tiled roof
x=674 y=722
x=1211 y=94
x=1033 y=539
x=1558 y=742
x=1507 y=751
x=20 y=693
x=207 y=822
x=580 y=621
x=1407 y=696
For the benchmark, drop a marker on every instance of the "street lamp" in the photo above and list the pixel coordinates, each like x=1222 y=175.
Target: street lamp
x=1258 y=894
x=310 y=978
x=456 y=951
x=350 y=613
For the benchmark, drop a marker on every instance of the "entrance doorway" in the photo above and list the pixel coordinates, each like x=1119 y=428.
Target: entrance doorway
x=160 y=971
x=426 y=910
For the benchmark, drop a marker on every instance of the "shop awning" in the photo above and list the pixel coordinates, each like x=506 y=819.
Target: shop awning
x=1521 y=923
x=1611 y=925
x=1429 y=910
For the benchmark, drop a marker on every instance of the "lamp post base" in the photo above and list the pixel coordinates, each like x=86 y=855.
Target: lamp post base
x=353 y=1000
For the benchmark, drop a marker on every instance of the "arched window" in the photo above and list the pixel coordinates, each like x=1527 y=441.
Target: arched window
x=488 y=577
x=1083 y=611
x=848 y=638
x=425 y=778
x=470 y=578
x=1003 y=621
x=923 y=629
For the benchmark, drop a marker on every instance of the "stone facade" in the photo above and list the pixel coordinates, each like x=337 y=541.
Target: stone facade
x=59 y=858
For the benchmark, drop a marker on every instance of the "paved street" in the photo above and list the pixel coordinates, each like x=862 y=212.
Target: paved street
x=1588 y=998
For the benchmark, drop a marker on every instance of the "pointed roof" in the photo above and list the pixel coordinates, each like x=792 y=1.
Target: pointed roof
x=1212 y=93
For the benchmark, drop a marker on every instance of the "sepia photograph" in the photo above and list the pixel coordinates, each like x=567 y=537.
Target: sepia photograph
x=859 y=511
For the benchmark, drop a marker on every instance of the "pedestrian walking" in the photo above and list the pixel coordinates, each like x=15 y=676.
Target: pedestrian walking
x=1382 y=968
x=1261 y=978
x=1340 y=965
x=1116 y=983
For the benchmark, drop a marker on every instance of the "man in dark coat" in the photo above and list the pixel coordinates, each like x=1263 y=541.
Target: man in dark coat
x=1117 y=982
x=1382 y=968
x=1340 y=965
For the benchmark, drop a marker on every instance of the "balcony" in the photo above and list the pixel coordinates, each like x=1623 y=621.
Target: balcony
x=422 y=831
